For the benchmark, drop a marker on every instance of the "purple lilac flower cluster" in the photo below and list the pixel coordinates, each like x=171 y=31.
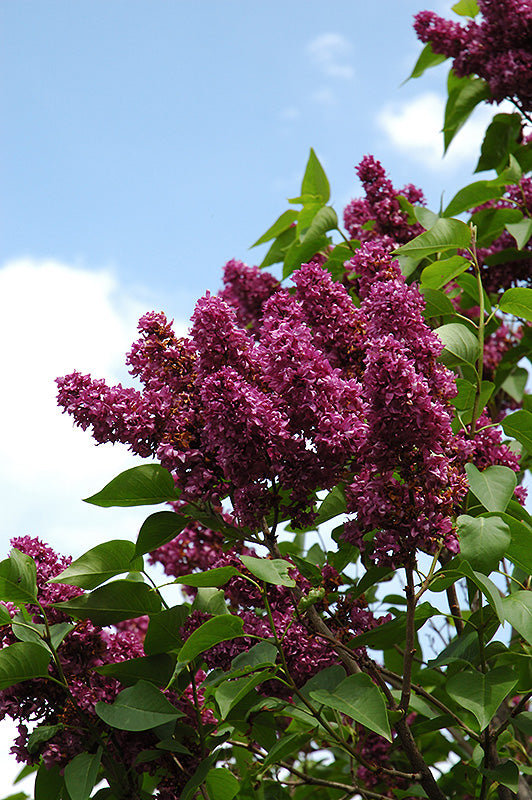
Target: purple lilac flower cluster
x=378 y=216
x=497 y=49
x=410 y=484
x=230 y=412
x=85 y=648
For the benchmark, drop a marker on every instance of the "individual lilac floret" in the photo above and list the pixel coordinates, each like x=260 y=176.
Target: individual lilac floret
x=246 y=289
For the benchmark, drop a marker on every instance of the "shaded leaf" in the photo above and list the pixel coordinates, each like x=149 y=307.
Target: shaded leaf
x=81 y=774
x=222 y=784
x=162 y=635
x=437 y=304
x=18 y=582
x=359 y=698
x=521 y=231
x=481 y=694
x=217 y=629
x=138 y=708
x=517 y=301
x=517 y=609
x=113 y=602
x=99 y=564
x=459 y=344
x=273 y=570
x=464 y=94
x=439 y=273
x=494 y=486
x=483 y=541
x=158 y=529
x=156 y=669
x=22 y=661
x=211 y=577
x=519 y=425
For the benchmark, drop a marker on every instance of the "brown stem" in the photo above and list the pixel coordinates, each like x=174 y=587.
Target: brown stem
x=410 y=649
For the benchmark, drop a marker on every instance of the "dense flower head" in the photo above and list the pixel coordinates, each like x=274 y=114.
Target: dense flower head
x=497 y=49
x=246 y=289
x=379 y=216
x=409 y=487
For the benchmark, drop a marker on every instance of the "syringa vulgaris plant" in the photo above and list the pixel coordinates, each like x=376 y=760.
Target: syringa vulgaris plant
x=340 y=451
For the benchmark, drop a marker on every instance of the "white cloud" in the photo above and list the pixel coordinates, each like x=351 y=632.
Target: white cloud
x=290 y=114
x=55 y=318
x=414 y=128
x=331 y=53
x=324 y=97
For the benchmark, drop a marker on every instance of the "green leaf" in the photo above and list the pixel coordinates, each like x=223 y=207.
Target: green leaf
x=48 y=783
x=473 y=195
x=99 y=564
x=507 y=773
x=372 y=576
x=521 y=231
x=465 y=397
x=481 y=694
x=257 y=656
x=22 y=661
x=517 y=608
x=5 y=617
x=81 y=774
x=459 y=344
x=158 y=529
x=439 y=273
x=425 y=216
x=387 y=634
x=279 y=248
x=462 y=569
x=494 y=487
x=189 y=789
x=138 y=708
x=359 y=698
x=519 y=551
x=490 y=223
x=216 y=629
x=464 y=94
x=211 y=601
x=138 y=486
x=519 y=425
x=162 y=635
x=466 y=8
x=483 y=541
x=113 y=602
x=222 y=784
x=324 y=220
x=332 y=505
x=18 y=582
x=271 y=571
x=515 y=383
x=461 y=648
x=286 y=747
x=437 y=304
x=301 y=252
x=282 y=224
x=427 y=59
x=517 y=301
x=41 y=734
x=156 y=669
x=233 y=691
x=445 y=234
x=211 y=577
x=315 y=180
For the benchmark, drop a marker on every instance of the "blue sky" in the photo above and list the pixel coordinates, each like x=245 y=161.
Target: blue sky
x=159 y=140
x=145 y=143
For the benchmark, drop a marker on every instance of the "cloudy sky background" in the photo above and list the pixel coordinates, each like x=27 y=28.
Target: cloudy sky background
x=146 y=143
